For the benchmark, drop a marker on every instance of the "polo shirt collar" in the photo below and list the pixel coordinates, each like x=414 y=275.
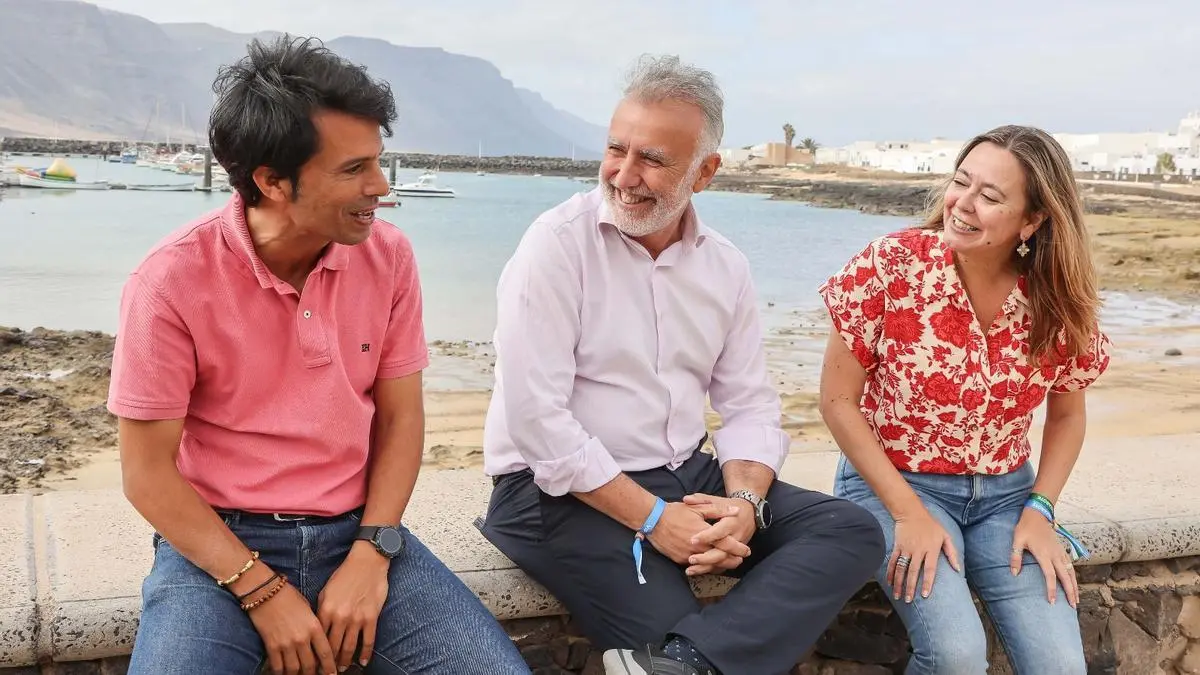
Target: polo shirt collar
x=237 y=236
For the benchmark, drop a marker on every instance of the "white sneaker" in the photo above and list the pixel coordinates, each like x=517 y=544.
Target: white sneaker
x=648 y=661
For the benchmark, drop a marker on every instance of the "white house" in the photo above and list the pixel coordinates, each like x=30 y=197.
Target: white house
x=1129 y=153
x=936 y=156
x=1188 y=166
x=735 y=156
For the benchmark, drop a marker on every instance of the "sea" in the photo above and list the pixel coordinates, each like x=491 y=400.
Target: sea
x=64 y=255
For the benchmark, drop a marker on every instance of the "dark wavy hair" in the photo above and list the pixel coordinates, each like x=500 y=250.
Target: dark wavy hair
x=265 y=104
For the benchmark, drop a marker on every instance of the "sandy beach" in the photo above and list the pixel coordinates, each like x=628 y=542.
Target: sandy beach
x=56 y=434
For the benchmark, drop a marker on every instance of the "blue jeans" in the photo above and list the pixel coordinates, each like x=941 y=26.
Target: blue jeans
x=980 y=513
x=430 y=623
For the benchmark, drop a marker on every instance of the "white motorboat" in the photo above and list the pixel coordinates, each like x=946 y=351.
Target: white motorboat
x=426 y=186
x=388 y=200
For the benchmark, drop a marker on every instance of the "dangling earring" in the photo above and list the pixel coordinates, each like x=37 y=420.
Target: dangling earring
x=1023 y=249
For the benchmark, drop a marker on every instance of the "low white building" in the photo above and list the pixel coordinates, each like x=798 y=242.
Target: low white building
x=735 y=156
x=936 y=156
x=1135 y=153
x=1188 y=166
x=1119 y=153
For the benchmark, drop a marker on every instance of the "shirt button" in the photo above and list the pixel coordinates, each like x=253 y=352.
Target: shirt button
x=307 y=314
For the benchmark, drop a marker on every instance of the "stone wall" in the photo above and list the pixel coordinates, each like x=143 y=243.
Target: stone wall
x=558 y=166
x=1136 y=619
x=63 y=146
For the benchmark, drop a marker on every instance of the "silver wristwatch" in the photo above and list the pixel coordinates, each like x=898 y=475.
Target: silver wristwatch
x=762 y=509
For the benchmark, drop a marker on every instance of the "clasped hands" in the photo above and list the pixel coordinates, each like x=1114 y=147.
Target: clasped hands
x=705 y=532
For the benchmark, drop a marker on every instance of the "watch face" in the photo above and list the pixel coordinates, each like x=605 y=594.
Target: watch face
x=765 y=513
x=390 y=541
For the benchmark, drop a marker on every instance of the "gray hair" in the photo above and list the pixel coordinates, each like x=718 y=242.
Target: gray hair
x=658 y=78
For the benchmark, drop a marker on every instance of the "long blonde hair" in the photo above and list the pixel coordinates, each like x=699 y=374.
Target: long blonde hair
x=1059 y=273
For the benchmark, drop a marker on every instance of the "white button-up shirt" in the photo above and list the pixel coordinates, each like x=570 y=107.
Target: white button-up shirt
x=604 y=355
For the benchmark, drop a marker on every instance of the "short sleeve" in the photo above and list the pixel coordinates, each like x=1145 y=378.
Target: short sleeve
x=154 y=358
x=1082 y=370
x=404 y=349
x=855 y=300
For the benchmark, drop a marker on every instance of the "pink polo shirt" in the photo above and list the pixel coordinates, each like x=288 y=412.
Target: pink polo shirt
x=275 y=387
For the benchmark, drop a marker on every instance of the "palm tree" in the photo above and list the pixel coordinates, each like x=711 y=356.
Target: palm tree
x=789 y=134
x=809 y=145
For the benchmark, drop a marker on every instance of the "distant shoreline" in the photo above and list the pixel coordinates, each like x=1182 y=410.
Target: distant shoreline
x=825 y=186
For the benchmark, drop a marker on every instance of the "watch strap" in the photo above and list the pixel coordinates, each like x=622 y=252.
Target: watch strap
x=757 y=502
x=748 y=496
x=367 y=532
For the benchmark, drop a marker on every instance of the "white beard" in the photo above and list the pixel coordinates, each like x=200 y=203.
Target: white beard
x=666 y=211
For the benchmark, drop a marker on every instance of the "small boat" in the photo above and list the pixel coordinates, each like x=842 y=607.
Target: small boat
x=426 y=186
x=35 y=181
x=162 y=187
x=390 y=199
x=58 y=176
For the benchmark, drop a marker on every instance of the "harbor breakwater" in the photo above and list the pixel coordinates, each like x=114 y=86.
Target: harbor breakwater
x=559 y=166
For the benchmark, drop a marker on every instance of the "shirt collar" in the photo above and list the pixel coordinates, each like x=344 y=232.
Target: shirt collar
x=237 y=237
x=694 y=230
x=944 y=280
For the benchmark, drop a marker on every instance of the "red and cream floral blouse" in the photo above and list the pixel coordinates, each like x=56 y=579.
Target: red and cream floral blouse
x=942 y=396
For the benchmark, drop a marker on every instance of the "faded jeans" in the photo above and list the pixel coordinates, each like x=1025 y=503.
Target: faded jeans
x=980 y=513
x=430 y=623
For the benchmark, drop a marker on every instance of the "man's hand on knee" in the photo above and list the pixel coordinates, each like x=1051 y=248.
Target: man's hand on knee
x=350 y=604
x=292 y=635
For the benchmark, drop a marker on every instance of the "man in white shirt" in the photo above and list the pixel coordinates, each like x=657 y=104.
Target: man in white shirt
x=618 y=314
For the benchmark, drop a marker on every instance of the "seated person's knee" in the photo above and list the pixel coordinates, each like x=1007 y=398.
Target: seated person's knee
x=953 y=652
x=859 y=525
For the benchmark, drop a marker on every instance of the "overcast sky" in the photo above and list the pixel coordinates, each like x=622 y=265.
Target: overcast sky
x=838 y=70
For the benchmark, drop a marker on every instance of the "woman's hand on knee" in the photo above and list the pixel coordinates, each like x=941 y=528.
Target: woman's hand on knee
x=920 y=541
x=1036 y=534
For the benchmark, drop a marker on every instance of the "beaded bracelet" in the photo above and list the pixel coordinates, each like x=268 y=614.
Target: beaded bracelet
x=245 y=568
x=247 y=606
x=1044 y=506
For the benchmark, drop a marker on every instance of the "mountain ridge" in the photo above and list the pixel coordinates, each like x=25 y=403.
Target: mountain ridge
x=71 y=69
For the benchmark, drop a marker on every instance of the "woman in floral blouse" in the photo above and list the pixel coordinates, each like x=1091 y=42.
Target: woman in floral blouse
x=945 y=340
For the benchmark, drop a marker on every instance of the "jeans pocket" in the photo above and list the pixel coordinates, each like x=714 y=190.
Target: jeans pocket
x=848 y=483
x=846 y=470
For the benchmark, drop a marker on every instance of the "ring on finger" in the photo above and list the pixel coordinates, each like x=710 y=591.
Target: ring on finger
x=903 y=561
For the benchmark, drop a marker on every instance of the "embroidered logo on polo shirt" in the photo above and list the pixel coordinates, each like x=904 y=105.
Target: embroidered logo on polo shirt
x=366 y=346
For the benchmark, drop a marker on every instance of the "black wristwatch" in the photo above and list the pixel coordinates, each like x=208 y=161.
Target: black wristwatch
x=762 y=509
x=386 y=539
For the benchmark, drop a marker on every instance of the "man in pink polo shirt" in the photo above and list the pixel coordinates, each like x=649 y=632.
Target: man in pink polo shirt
x=267 y=380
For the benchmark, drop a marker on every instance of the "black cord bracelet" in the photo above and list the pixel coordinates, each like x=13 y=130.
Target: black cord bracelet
x=259 y=587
